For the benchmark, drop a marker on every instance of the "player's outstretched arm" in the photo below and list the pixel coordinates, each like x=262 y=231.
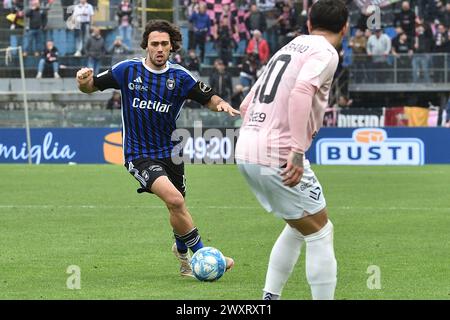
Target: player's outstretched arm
x=217 y=104
x=85 y=80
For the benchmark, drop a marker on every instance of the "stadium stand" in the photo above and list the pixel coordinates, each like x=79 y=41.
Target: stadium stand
x=401 y=80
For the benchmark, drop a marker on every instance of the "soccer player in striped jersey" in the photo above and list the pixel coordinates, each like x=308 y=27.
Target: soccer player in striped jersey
x=153 y=93
x=281 y=115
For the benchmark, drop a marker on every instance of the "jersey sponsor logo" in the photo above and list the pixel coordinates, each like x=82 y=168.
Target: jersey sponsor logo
x=137 y=85
x=370 y=146
x=203 y=87
x=151 y=105
x=170 y=84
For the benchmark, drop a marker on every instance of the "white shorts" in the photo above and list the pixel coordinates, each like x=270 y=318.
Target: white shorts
x=286 y=202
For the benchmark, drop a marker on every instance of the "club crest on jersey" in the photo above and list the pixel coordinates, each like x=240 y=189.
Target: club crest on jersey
x=170 y=84
x=204 y=87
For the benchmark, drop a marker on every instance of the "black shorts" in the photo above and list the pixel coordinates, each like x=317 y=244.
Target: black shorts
x=146 y=171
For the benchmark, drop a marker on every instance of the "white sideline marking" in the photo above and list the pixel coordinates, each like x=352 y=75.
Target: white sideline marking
x=335 y=209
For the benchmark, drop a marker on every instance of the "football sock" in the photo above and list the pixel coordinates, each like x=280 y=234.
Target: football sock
x=321 y=266
x=181 y=246
x=192 y=240
x=283 y=258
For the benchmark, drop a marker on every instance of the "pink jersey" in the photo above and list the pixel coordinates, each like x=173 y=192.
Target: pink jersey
x=274 y=121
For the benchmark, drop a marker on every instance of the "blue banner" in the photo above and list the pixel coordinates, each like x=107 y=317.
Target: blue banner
x=54 y=145
x=377 y=146
x=334 y=146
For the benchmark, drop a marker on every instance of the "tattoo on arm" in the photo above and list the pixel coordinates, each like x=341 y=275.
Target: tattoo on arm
x=297 y=159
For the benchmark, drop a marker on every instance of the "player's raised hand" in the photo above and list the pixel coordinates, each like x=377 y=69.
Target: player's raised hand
x=293 y=172
x=224 y=106
x=84 y=75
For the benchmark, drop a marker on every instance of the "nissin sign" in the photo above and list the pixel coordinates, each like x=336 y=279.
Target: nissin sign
x=370 y=146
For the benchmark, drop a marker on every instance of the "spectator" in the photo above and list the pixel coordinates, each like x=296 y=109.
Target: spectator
x=192 y=6
x=243 y=33
x=16 y=15
x=259 y=46
x=36 y=24
x=401 y=47
x=220 y=80
x=378 y=48
x=192 y=63
x=118 y=50
x=225 y=42
x=439 y=13
x=83 y=14
x=342 y=103
x=95 y=49
x=226 y=18
x=201 y=24
x=358 y=44
x=124 y=12
x=256 y=20
x=421 y=60
x=286 y=25
x=65 y=6
x=49 y=58
x=406 y=19
x=440 y=39
x=115 y=102
x=403 y=51
x=249 y=67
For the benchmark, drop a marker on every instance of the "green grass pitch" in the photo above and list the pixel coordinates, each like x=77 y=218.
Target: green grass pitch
x=54 y=216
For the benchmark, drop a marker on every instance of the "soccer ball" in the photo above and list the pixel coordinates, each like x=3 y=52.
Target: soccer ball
x=208 y=264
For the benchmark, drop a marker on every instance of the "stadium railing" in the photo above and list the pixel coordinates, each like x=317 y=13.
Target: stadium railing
x=427 y=68
x=70 y=116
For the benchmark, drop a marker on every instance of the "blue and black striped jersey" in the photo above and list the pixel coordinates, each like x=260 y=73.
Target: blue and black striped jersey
x=151 y=103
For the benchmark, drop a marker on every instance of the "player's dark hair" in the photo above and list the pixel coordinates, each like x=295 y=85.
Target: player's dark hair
x=328 y=15
x=162 y=26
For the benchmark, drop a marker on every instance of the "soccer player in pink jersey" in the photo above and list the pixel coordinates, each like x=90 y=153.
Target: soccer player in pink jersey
x=281 y=115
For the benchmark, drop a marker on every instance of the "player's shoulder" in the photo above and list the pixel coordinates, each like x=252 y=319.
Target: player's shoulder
x=125 y=63
x=320 y=48
x=179 y=69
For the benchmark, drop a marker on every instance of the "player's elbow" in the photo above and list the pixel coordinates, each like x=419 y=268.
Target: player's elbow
x=304 y=88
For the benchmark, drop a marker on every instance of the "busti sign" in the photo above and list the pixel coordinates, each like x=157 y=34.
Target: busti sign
x=112 y=148
x=370 y=146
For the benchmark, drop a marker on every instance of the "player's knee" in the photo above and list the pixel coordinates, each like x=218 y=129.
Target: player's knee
x=175 y=202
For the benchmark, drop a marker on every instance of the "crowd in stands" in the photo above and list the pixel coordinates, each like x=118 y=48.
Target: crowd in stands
x=78 y=19
x=244 y=34
x=418 y=30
